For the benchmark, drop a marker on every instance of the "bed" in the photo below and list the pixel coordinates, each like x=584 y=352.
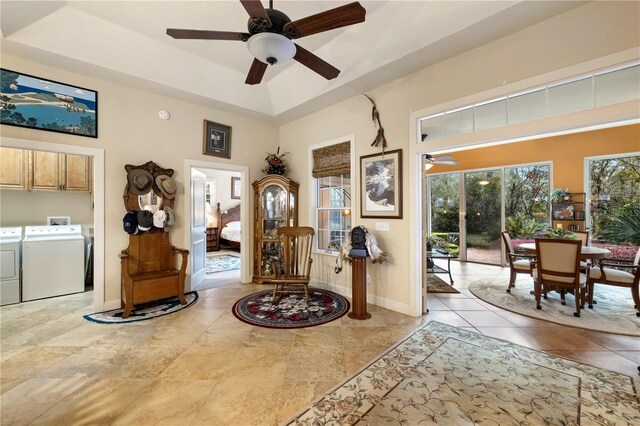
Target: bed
x=229 y=221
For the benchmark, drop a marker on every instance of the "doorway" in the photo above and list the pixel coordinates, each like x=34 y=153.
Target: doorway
x=218 y=198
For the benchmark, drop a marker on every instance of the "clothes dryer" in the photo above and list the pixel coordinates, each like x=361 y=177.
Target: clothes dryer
x=10 y=261
x=52 y=261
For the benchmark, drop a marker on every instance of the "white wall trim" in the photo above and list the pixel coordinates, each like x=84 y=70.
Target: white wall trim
x=98 y=204
x=382 y=302
x=245 y=204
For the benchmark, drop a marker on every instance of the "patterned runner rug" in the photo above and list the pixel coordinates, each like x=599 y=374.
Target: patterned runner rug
x=445 y=375
x=222 y=263
x=292 y=310
x=613 y=313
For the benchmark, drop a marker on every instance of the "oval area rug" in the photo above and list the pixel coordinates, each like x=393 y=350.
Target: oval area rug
x=613 y=313
x=292 y=310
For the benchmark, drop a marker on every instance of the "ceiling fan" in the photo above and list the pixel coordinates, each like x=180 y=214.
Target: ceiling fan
x=430 y=160
x=269 y=34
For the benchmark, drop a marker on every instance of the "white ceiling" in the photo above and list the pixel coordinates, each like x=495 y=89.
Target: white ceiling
x=125 y=42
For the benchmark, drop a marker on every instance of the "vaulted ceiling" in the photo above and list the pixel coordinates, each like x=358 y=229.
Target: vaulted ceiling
x=126 y=42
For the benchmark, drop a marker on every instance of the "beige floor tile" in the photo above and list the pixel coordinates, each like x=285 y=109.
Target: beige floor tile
x=314 y=364
x=140 y=362
x=131 y=334
x=632 y=355
x=7 y=352
x=240 y=402
x=270 y=337
x=248 y=363
x=82 y=335
x=30 y=363
x=200 y=362
x=613 y=341
x=99 y=402
x=359 y=336
x=463 y=304
x=512 y=334
x=485 y=319
x=357 y=358
x=167 y=402
x=522 y=320
x=318 y=337
x=25 y=402
x=224 y=336
x=91 y=362
x=296 y=395
x=447 y=317
x=435 y=304
x=6 y=384
x=602 y=359
x=562 y=338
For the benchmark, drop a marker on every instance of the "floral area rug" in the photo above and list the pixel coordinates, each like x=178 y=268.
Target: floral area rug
x=144 y=311
x=222 y=263
x=445 y=375
x=435 y=284
x=292 y=310
x=613 y=313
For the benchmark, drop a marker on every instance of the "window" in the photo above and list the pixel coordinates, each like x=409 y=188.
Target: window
x=334 y=210
x=332 y=173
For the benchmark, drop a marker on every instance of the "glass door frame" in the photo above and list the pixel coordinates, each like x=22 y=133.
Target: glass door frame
x=463 y=202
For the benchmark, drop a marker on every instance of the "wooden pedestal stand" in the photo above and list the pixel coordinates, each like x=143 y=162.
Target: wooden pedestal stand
x=359 y=288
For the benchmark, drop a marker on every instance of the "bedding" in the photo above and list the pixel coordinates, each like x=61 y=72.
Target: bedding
x=230 y=233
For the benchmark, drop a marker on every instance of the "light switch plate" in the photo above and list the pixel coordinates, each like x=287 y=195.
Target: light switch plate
x=382 y=226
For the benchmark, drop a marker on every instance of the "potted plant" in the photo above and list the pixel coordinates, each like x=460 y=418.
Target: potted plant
x=435 y=241
x=560 y=194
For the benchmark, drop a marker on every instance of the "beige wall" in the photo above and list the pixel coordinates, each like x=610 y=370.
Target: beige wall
x=588 y=32
x=130 y=132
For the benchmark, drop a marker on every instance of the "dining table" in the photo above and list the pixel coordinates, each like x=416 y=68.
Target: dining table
x=586 y=252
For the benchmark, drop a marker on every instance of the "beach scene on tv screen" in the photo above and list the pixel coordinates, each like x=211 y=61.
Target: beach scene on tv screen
x=38 y=103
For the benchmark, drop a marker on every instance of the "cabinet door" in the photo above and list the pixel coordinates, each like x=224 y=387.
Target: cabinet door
x=76 y=172
x=13 y=168
x=44 y=170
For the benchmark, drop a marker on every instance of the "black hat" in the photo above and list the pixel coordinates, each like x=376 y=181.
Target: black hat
x=130 y=223
x=145 y=220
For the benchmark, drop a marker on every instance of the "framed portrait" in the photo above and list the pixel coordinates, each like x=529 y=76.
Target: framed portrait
x=236 y=188
x=43 y=104
x=58 y=220
x=217 y=139
x=381 y=185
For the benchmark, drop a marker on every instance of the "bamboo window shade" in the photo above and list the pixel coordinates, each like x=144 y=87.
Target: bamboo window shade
x=334 y=160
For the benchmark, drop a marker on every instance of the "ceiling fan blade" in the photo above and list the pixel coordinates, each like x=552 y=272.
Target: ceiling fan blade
x=316 y=64
x=447 y=162
x=255 y=9
x=256 y=72
x=342 y=16
x=207 y=35
x=443 y=157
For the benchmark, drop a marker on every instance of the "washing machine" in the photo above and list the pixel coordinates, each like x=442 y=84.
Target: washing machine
x=52 y=261
x=10 y=251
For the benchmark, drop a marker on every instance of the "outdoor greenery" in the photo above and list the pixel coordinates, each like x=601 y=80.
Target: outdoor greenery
x=522 y=226
x=615 y=199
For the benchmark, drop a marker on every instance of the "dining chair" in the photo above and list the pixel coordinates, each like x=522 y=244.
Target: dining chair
x=519 y=263
x=292 y=265
x=617 y=272
x=584 y=237
x=558 y=269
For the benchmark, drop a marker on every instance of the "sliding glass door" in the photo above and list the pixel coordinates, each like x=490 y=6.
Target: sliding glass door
x=483 y=212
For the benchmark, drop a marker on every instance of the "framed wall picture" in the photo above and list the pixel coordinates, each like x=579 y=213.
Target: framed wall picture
x=236 y=188
x=58 y=220
x=381 y=185
x=43 y=104
x=217 y=139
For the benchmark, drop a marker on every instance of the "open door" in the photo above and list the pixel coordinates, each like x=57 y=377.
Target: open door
x=198 y=229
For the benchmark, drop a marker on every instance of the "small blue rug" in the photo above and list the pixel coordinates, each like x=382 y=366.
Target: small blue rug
x=222 y=263
x=144 y=311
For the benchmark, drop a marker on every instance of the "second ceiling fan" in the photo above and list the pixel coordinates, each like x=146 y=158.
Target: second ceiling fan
x=269 y=34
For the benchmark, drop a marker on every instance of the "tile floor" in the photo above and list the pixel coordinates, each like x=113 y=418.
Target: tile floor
x=202 y=366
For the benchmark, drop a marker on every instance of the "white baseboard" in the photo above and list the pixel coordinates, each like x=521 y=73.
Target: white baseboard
x=382 y=302
x=111 y=304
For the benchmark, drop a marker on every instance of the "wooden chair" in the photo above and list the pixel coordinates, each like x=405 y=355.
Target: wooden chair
x=292 y=267
x=148 y=270
x=584 y=237
x=558 y=269
x=519 y=263
x=620 y=273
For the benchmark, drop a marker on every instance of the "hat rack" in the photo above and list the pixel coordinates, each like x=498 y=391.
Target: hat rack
x=131 y=201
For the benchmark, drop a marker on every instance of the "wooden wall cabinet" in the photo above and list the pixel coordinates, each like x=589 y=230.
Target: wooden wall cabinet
x=213 y=239
x=45 y=171
x=276 y=204
x=13 y=168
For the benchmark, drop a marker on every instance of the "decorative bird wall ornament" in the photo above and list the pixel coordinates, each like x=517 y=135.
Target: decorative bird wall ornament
x=375 y=116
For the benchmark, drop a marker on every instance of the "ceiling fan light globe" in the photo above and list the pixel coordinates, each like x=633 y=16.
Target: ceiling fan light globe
x=427 y=166
x=271 y=48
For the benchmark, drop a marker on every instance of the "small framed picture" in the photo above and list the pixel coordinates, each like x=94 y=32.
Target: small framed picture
x=58 y=220
x=236 y=188
x=217 y=139
x=381 y=185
